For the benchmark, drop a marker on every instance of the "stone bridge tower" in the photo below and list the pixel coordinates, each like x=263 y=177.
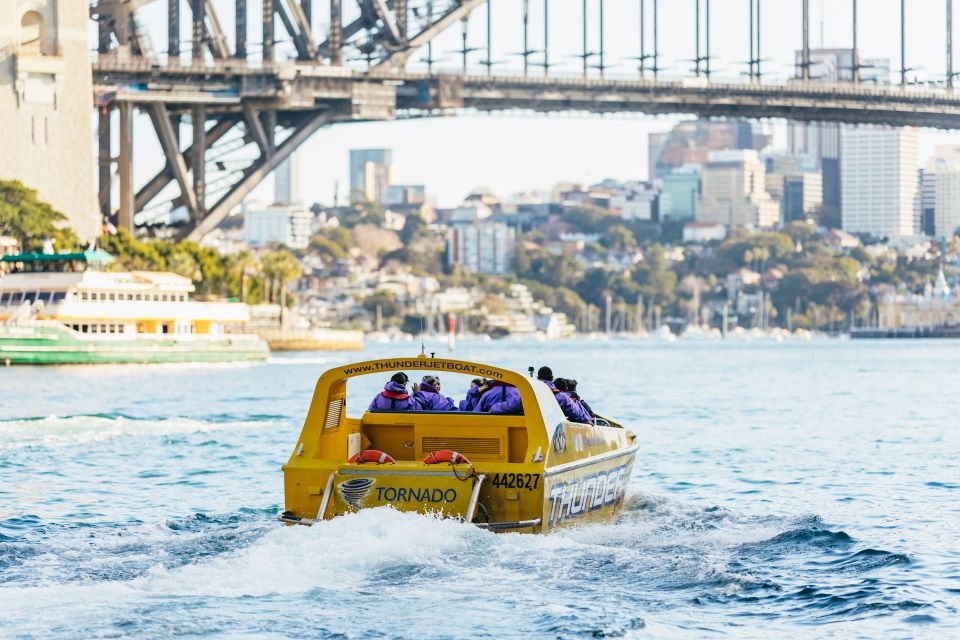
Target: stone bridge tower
x=46 y=103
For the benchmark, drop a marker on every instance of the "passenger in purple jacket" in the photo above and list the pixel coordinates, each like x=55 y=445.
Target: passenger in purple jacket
x=573 y=411
x=498 y=397
x=394 y=396
x=569 y=387
x=473 y=395
x=427 y=395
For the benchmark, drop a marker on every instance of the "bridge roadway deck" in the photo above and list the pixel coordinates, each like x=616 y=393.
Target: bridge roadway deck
x=383 y=95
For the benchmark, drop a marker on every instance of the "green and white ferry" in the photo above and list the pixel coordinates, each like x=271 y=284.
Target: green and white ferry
x=64 y=308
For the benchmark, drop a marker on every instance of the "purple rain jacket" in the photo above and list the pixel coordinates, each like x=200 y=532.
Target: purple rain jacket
x=470 y=402
x=394 y=397
x=500 y=398
x=573 y=410
x=430 y=399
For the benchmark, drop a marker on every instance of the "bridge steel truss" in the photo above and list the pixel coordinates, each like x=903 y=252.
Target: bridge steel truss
x=273 y=107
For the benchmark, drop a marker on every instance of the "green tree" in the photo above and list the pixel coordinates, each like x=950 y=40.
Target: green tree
x=414 y=228
x=280 y=268
x=389 y=309
x=245 y=263
x=619 y=238
x=182 y=263
x=31 y=220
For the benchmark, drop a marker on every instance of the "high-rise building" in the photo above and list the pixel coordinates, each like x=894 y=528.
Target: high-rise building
x=680 y=193
x=927 y=202
x=822 y=140
x=483 y=246
x=797 y=183
x=879 y=175
x=406 y=194
x=46 y=130
x=802 y=196
x=287 y=181
x=636 y=201
x=285 y=224
x=943 y=175
x=371 y=174
x=733 y=191
x=691 y=142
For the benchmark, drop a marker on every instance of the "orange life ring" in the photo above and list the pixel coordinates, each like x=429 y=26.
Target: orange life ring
x=371 y=455
x=445 y=455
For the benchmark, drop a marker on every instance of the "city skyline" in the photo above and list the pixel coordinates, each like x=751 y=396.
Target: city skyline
x=531 y=148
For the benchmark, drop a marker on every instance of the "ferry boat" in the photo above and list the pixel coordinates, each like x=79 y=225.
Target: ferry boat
x=63 y=308
x=530 y=472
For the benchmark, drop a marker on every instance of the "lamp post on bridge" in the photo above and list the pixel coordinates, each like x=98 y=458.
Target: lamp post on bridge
x=805 y=59
x=950 y=73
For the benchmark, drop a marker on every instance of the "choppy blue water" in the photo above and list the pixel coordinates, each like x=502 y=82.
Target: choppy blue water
x=782 y=489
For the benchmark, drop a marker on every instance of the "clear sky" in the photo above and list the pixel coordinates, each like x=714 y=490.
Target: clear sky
x=511 y=153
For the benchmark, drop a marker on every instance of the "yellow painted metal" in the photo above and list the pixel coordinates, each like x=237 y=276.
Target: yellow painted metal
x=542 y=470
x=445 y=492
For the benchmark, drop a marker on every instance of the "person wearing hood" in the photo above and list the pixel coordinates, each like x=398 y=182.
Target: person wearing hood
x=569 y=387
x=427 y=395
x=473 y=395
x=394 y=396
x=499 y=397
x=573 y=411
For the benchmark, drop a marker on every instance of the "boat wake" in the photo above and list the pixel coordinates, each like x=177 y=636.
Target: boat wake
x=661 y=557
x=63 y=431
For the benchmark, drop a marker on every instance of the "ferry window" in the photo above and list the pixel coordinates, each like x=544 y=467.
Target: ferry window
x=59 y=296
x=16 y=298
x=84 y=328
x=83 y=295
x=103 y=328
x=94 y=328
x=165 y=327
x=112 y=296
x=164 y=297
x=29 y=296
x=3 y=298
x=139 y=296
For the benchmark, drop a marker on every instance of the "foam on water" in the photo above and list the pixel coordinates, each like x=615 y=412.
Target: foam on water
x=700 y=556
x=78 y=430
x=145 y=507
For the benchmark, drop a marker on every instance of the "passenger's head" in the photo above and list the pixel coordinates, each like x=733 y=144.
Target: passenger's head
x=545 y=373
x=477 y=382
x=433 y=381
x=572 y=384
x=400 y=378
x=563 y=384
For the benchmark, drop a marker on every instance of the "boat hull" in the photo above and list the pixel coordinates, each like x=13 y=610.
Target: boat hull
x=587 y=484
x=588 y=491
x=53 y=346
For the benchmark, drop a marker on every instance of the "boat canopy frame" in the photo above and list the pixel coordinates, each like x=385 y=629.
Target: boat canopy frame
x=541 y=413
x=531 y=395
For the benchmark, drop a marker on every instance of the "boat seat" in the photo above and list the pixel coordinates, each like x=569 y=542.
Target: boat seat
x=410 y=435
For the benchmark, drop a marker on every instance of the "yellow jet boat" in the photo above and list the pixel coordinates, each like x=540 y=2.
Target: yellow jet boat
x=529 y=472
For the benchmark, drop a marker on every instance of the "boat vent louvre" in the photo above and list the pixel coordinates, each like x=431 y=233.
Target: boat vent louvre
x=333 y=414
x=482 y=447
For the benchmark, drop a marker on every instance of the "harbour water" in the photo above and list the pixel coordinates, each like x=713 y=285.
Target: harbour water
x=787 y=489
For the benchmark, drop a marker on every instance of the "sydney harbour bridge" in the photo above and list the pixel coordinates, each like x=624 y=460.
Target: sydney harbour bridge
x=248 y=111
